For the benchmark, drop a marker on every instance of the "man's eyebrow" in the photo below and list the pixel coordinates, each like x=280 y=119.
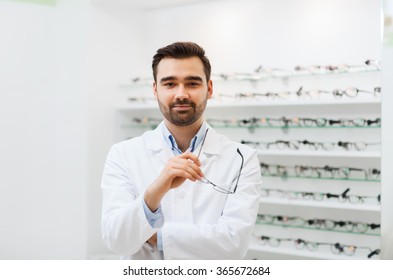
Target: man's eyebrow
x=188 y=78
x=194 y=78
x=169 y=78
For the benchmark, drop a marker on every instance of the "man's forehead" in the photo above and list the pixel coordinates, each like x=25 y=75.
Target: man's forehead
x=185 y=66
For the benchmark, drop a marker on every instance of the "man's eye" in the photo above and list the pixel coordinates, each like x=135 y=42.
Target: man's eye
x=169 y=84
x=193 y=84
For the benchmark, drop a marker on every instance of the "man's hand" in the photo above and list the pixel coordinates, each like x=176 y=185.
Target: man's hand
x=180 y=168
x=175 y=172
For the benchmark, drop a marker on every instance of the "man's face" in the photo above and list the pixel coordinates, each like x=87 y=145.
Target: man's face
x=182 y=90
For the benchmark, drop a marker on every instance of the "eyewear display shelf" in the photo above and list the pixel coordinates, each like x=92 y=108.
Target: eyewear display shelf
x=317 y=135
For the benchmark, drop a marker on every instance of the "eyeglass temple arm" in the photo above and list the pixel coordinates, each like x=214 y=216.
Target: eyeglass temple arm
x=241 y=168
x=375 y=252
x=344 y=194
x=203 y=142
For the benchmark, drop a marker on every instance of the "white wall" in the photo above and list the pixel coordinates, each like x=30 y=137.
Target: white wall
x=61 y=67
x=116 y=42
x=240 y=35
x=43 y=131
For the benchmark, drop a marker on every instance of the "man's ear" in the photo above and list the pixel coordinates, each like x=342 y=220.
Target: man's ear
x=155 y=89
x=209 y=89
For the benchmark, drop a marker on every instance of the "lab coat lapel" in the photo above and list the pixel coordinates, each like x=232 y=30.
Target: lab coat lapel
x=157 y=147
x=211 y=147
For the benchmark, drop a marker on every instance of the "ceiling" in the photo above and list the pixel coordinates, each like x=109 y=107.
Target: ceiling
x=153 y=4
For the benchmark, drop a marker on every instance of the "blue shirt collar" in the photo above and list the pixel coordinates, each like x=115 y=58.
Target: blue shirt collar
x=195 y=141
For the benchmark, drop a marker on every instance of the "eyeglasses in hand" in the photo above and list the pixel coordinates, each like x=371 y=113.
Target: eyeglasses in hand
x=221 y=188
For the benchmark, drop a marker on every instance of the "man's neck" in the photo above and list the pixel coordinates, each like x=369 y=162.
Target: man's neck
x=184 y=134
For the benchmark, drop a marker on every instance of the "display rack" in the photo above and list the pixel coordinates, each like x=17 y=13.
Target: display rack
x=248 y=108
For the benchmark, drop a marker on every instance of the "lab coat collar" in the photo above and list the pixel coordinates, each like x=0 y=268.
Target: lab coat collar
x=212 y=143
x=156 y=143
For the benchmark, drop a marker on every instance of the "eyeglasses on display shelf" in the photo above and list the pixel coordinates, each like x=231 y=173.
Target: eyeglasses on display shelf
x=343 y=122
x=319 y=224
x=358 y=146
x=142 y=80
x=278 y=144
x=141 y=99
x=295 y=122
x=336 y=248
x=369 y=65
x=325 y=172
x=279 y=220
x=349 y=226
x=313 y=93
x=336 y=172
x=253 y=96
x=147 y=122
x=311 y=145
x=321 y=196
x=358 y=122
x=351 y=92
x=261 y=72
x=232 y=186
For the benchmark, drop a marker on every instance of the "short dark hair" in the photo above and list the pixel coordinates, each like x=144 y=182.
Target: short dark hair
x=181 y=50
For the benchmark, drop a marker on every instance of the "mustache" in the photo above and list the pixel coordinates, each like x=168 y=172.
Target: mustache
x=182 y=102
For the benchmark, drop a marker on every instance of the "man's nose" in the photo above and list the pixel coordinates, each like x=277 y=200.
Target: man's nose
x=181 y=92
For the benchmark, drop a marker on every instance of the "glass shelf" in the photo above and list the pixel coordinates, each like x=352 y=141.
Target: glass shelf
x=294 y=127
x=320 y=229
x=320 y=178
x=278 y=74
x=307 y=153
x=260 y=127
x=321 y=204
x=285 y=74
x=290 y=251
x=216 y=104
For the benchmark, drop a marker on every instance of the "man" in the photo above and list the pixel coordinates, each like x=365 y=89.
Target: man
x=181 y=191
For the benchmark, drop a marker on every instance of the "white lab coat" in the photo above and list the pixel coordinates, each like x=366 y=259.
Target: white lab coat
x=200 y=223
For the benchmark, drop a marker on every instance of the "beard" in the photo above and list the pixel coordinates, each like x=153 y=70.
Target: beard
x=182 y=118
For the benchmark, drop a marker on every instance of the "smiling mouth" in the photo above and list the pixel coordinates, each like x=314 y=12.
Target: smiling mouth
x=182 y=107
